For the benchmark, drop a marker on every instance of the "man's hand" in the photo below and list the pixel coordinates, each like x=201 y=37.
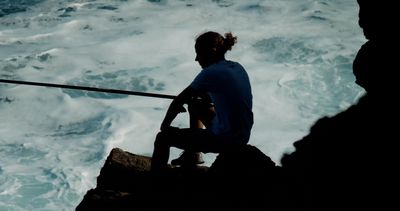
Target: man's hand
x=176 y=107
x=167 y=126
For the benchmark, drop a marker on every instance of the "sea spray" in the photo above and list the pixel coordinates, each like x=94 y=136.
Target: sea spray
x=53 y=142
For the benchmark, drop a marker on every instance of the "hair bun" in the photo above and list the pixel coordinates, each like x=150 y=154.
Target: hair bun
x=229 y=41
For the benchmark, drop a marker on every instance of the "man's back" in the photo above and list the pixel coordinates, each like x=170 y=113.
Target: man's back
x=229 y=87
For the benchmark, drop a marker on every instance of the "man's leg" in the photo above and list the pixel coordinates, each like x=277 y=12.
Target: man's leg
x=159 y=160
x=200 y=115
x=189 y=139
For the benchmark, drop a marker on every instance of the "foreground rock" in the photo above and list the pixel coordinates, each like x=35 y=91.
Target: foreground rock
x=241 y=179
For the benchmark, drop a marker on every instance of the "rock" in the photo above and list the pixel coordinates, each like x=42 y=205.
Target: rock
x=123 y=171
x=126 y=183
x=248 y=178
x=239 y=178
x=347 y=160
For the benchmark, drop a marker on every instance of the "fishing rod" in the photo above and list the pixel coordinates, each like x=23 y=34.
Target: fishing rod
x=85 y=88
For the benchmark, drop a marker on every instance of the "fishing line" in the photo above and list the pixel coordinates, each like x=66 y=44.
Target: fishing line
x=91 y=89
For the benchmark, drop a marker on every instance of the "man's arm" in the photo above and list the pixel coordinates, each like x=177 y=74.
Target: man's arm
x=176 y=106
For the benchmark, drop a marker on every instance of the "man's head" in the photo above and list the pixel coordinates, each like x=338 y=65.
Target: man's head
x=211 y=47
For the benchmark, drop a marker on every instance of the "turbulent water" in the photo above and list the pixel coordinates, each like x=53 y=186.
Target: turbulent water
x=53 y=142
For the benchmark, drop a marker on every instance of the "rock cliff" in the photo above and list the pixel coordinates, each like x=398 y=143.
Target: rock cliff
x=240 y=178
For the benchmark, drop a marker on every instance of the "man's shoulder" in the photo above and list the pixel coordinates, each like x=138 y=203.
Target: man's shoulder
x=224 y=65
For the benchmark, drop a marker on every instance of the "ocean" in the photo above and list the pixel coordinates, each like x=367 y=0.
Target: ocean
x=53 y=142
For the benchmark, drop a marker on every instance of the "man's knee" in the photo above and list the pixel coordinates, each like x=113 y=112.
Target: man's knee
x=161 y=139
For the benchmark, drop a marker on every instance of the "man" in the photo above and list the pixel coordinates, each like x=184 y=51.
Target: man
x=228 y=119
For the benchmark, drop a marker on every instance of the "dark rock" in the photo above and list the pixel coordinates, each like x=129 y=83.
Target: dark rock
x=248 y=178
x=105 y=200
x=123 y=171
x=126 y=183
x=378 y=20
x=239 y=178
x=347 y=160
x=242 y=161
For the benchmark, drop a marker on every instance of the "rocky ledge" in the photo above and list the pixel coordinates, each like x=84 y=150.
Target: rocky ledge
x=242 y=178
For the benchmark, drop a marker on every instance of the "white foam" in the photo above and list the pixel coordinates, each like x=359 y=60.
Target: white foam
x=298 y=55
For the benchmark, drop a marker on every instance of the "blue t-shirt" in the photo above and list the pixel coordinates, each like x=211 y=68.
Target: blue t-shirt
x=228 y=85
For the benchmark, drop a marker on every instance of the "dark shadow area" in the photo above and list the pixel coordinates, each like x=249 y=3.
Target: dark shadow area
x=348 y=161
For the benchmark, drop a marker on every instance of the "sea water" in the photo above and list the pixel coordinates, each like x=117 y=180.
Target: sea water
x=53 y=142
